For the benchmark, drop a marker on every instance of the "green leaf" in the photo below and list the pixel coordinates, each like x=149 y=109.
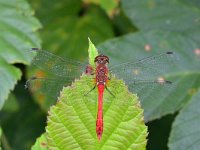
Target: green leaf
x=55 y=9
x=164 y=15
x=109 y=6
x=18 y=27
x=185 y=129
x=8 y=78
x=92 y=53
x=71 y=122
x=183 y=71
x=41 y=143
x=123 y=25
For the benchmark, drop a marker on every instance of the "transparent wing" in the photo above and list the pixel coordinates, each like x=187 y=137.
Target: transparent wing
x=56 y=65
x=47 y=90
x=149 y=89
x=53 y=72
x=150 y=68
x=148 y=79
x=157 y=99
x=48 y=87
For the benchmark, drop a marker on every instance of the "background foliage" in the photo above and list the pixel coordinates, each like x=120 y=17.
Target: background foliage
x=124 y=30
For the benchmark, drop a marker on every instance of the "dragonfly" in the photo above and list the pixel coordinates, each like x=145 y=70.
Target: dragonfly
x=138 y=75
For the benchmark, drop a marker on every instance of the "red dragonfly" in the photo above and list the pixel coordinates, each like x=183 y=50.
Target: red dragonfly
x=101 y=82
x=139 y=75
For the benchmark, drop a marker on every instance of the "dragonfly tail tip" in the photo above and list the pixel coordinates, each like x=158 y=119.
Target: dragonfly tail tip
x=35 y=49
x=169 y=52
x=99 y=137
x=168 y=82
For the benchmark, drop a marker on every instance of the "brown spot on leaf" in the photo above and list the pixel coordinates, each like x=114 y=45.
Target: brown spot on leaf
x=161 y=80
x=43 y=144
x=192 y=91
x=147 y=47
x=197 y=51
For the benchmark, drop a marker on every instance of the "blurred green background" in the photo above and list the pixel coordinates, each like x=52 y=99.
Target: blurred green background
x=122 y=30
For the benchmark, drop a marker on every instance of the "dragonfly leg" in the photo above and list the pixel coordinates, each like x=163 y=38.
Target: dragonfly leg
x=90 y=90
x=109 y=78
x=109 y=91
x=110 y=75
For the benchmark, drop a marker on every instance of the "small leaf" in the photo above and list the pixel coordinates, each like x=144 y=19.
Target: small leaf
x=41 y=143
x=92 y=53
x=71 y=122
x=18 y=27
x=8 y=78
x=185 y=129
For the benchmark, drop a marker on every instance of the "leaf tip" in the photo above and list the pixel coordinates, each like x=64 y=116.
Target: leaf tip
x=93 y=52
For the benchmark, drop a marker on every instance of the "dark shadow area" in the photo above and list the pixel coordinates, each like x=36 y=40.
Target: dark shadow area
x=159 y=131
x=22 y=120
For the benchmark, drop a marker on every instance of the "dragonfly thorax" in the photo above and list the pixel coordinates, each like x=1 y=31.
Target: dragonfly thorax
x=101 y=74
x=101 y=69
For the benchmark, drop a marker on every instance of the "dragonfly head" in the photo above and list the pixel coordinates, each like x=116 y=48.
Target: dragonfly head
x=101 y=59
